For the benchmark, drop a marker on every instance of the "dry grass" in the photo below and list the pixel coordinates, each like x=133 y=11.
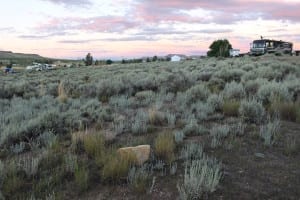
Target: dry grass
x=155 y=117
x=93 y=142
x=62 y=96
x=287 y=110
x=164 y=146
x=231 y=108
x=117 y=167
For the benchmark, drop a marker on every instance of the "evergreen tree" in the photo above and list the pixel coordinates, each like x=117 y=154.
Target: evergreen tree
x=219 y=48
x=88 y=59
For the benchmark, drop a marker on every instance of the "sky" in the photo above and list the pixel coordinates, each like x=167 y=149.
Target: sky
x=135 y=28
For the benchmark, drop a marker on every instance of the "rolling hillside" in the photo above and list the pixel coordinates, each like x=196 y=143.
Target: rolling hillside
x=20 y=58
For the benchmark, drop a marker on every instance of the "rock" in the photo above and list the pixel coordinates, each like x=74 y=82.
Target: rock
x=260 y=155
x=141 y=153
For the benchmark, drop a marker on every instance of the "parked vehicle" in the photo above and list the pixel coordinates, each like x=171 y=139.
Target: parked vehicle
x=234 y=52
x=263 y=46
x=40 y=67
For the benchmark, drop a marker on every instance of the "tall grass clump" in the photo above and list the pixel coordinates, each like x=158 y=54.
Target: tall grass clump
x=252 y=111
x=287 y=110
x=231 y=108
x=62 y=96
x=164 y=146
x=81 y=175
x=200 y=177
x=156 y=117
x=116 y=167
x=93 y=144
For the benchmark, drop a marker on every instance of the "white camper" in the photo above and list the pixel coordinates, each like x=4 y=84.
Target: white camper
x=175 y=58
x=234 y=52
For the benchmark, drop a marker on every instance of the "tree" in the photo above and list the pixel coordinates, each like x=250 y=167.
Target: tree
x=109 y=62
x=154 y=58
x=219 y=48
x=88 y=59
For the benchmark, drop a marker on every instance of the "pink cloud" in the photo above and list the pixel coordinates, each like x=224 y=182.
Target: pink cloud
x=70 y=2
x=229 y=11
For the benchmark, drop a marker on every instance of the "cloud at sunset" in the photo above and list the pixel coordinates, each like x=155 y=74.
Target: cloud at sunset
x=142 y=27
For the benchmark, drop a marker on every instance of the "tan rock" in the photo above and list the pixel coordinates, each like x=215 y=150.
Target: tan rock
x=141 y=153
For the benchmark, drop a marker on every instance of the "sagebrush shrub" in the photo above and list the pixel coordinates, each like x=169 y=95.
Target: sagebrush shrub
x=197 y=93
x=200 y=177
x=270 y=131
x=252 y=110
x=234 y=90
x=138 y=178
x=215 y=101
x=273 y=91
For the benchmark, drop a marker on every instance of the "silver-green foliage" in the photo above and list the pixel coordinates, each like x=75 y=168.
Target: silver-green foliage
x=220 y=131
x=273 y=91
x=270 y=131
x=138 y=178
x=18 y=148
x=140 y=123
x=200 y=177
x=2 y=173
x=179 y=136
x=234 y=90
x=215 y=101
x=191 y=151
x=252 y=110
x=47 y=139
x=29 y=164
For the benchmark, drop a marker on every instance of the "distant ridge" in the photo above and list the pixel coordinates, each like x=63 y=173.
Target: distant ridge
x=22 y=59
x=4 y=55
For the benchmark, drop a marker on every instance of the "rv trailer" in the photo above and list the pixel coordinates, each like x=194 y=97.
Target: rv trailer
x=263 y=46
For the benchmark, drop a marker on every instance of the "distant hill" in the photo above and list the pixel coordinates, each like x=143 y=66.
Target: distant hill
x=21 y=58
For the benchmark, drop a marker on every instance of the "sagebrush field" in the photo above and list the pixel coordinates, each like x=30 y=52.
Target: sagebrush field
x=217 y=128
